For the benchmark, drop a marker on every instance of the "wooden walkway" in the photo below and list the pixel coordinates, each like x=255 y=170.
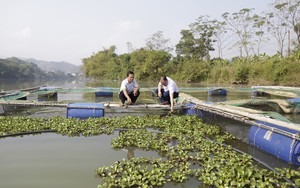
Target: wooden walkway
x=245 y=115
x=292 y=92
x=105 y=105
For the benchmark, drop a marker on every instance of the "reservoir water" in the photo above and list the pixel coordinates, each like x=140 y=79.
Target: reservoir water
x=52 y=160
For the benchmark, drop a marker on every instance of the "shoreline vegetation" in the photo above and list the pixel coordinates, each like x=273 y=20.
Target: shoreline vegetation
x=245 y=35
x=149 y=65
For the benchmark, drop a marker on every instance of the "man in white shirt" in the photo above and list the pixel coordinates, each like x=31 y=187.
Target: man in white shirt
x=129 y=89
x=167 y=91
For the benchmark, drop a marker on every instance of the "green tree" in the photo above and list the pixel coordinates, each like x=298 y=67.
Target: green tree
x=158 y=42
x=149 y=64
x=193 y=69
x=185 y=47
x=196 y=42
x=101 y=64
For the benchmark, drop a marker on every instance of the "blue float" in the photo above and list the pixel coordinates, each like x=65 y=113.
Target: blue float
x=85 y=110
x=281 y=146
x=260 y=94
x=104 y=92
x=217 y=92
x=296 y=102
x=189 y=110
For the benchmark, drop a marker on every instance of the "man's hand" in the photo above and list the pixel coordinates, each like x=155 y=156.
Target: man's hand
x=159 y=94
x=135 y=92
x=172 y=109
x=129 y=101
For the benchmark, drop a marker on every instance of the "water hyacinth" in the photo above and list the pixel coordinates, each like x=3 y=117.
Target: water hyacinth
x=188 y=148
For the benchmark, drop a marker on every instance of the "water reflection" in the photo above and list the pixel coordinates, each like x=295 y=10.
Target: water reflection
x=104 y=99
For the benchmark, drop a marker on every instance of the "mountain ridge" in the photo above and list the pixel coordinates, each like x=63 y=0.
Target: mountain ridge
x=54 y=66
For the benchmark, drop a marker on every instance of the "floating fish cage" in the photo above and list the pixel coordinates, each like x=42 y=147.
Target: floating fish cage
x=281 y=146
x=85 y=110
x=276 y=140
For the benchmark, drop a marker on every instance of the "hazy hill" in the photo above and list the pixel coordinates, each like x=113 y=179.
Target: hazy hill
x=54 y=66
x=15 y=69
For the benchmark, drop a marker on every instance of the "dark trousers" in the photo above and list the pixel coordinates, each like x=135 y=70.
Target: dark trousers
x=133 y=98
x=165 y=95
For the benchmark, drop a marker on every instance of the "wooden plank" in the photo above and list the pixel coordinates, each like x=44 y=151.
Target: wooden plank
x=106 y=105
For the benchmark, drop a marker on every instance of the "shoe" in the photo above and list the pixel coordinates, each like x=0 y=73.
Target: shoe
x=165 y=103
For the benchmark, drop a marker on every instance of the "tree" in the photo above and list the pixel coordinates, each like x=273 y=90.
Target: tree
x=125 y=64
x=288 y=12
x=185 y=47
x=149 y=64
x=241 y=23
x=196 y=42
x=221 y=36
x=100 y=65
x=278 y=27
x=158 y=42
x=192 y=70
x=260 y=25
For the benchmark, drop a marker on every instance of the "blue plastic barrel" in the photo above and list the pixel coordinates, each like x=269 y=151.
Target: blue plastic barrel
x=188 y=109
x=281 y=146
x=85 y=110
x=219 y=91
x=104 y=92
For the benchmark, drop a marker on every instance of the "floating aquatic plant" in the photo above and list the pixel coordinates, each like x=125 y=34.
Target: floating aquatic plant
x=188 y=148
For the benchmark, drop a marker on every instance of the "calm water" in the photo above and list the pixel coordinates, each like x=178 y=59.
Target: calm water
x=51 y=160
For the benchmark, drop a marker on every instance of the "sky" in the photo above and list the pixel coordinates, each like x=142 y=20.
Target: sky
x=69 y=30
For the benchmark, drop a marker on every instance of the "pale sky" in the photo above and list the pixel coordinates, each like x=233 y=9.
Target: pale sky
x=69 y=30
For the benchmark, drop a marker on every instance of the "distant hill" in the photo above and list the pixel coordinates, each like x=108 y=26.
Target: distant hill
x=54 y=66
x=15 y=69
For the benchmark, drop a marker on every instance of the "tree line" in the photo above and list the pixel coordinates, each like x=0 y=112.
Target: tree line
x=243 y=30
